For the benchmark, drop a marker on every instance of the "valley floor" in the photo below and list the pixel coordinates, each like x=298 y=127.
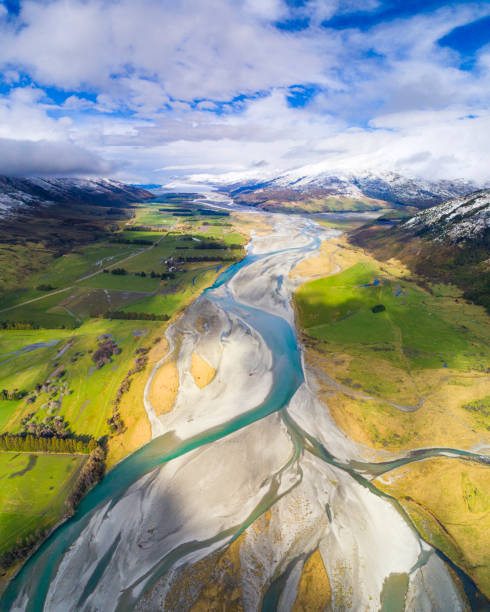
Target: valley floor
x=267 y=466
x=413 y=375
x=77 y=343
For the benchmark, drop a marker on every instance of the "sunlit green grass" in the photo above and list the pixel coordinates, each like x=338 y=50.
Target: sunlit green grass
x=34 y=499
x=337 y=309
x=85 y=408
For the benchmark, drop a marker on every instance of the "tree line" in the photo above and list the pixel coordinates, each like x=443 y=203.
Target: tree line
x=144 y=228
x=26 y=443
x=135 y=316
x=19 y=325
x=115 y=422
x=141 y=241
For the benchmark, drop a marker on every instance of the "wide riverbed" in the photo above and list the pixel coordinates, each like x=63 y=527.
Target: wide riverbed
x=255 y=439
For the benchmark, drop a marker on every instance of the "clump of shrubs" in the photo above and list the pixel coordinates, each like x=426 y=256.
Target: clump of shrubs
x=104 y=353
x=15 y=394
x=378 y=308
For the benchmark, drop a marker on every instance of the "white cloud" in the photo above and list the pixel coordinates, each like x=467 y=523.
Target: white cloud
x=389 y=96
x=23 y=116
x=192 y=49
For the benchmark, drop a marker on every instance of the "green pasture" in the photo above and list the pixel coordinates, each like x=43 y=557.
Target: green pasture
x=33 y=490
x=84 y=394
x=61 y=271
x=337 y=309
x=45 y=312
x=123 y=282
x=84 y=302
x=85 y=260
x=141 y=235
x=81 y=402
x=177 y=292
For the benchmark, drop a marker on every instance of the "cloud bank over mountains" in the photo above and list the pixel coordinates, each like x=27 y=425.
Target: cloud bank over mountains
x=153 y=90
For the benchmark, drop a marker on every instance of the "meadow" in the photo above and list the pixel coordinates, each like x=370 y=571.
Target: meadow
x=327 y=204
x=338 y=309
x=449 y=502
x=403 y=364
x=22 y=513
x=423 y=351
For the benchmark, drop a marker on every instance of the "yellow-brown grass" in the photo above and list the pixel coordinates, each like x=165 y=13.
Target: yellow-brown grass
x=449 y=501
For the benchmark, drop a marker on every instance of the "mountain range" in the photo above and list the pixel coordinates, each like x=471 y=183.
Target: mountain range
x=24 y=194
x=368 y=189
x=461 y=219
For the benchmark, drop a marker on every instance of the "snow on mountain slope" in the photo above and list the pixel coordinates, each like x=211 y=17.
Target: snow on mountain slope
x=465 y=218
x=381 y=185
x=388 y=186
x=17 y=194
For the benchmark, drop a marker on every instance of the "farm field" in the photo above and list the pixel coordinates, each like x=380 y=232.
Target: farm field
x=21 y=512
x=61 y=351
x=72 y=379
x=69 y=287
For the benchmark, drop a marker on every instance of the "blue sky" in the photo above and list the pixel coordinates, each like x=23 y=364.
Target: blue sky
x=166 y=90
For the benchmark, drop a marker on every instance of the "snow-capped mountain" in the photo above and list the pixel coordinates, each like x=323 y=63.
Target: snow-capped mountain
x=389 y=186
x=459 y=219
x=17 y=194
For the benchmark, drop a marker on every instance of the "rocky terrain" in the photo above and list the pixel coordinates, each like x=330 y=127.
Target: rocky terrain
x=465 y=218
x=24 y=194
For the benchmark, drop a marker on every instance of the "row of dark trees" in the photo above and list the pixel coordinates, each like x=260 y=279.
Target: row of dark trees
x=117 y=271
x=27 y=443
x=19 y=325
x=91 y=474
x=45 y=287
x=152 y=274
x=193 y=258
x=135 y=316
x=144 y=228
x=141 y=241
x=216 y=245
x=21 y=550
